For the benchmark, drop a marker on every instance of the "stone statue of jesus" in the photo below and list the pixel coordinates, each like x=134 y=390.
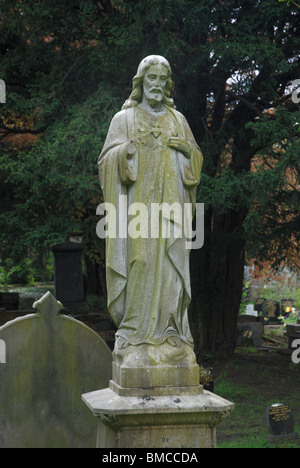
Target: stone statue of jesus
x=151 y=156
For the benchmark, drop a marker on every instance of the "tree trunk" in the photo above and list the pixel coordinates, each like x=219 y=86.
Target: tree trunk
x=217 y=272
x=94 y=278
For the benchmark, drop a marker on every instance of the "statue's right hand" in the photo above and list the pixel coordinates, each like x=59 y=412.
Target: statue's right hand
x=126 y=153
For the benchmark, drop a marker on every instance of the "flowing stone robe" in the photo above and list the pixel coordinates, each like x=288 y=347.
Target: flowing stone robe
x=148 y=280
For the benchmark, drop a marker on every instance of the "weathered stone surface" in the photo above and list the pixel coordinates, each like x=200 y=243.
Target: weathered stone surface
x=51 y=359
x=280 y=421
x=253 y=330
x=154 y=391
x=150 y=157
x=157 y=421
x=155 y=366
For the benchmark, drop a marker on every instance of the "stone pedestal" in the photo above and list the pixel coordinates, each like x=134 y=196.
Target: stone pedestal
x=154 y=400
x=162 y=417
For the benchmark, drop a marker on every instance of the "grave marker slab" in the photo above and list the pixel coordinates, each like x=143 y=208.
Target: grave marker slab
x=271 y=310
x=68 y=274
x=280 y=422
x=292 y=332
x=51 y=359
x=249 y=334
x=250 y=310
x=259 y=304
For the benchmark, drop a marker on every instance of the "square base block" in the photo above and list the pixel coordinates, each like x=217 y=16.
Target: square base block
x=156 y=376
x=172 y=421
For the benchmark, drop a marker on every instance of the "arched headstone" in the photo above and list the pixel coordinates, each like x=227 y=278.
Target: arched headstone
x=51 y=359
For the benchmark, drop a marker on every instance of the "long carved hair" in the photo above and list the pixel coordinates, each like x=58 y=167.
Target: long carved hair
x=137 y=82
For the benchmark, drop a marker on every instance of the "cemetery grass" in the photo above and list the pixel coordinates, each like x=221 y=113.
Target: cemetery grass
x=253 y=379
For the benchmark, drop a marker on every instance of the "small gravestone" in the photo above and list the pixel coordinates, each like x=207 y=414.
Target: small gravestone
x=259 y=304
x=250 y=310
x=68 y=275
x=250 y=330
x=280 y=422
x=50 y=360
x=247 y=338
x=271 y=311
x=250 y=334
x=292 y=332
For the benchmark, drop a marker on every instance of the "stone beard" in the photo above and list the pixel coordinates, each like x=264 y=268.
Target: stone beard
x=150 y=156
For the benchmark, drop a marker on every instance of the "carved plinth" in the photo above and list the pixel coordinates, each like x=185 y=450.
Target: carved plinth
x=154 y=391
x=154 y=400
x=148 y=366
x=155 y=376
x=149 y=421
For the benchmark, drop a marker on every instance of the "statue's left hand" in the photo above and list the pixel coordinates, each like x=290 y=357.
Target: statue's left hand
x=180 y=145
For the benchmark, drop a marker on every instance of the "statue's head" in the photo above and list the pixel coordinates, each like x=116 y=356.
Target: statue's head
x=138 y=81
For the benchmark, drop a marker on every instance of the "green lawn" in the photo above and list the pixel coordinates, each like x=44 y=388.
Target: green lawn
x=254 y=381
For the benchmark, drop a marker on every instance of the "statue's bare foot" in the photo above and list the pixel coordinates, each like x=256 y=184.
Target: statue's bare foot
x=122 y=343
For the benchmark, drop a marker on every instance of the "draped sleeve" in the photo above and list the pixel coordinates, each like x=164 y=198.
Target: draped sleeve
x=114 y=187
